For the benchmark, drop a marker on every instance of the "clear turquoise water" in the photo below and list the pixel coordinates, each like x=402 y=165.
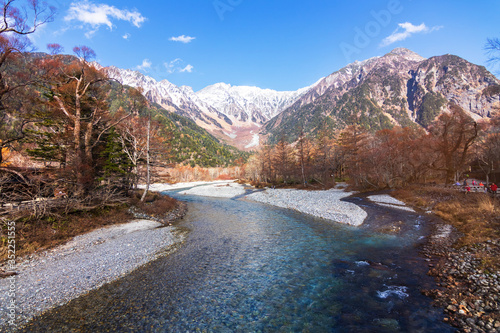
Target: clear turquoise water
x=247 y=267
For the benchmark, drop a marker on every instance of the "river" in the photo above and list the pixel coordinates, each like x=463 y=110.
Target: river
x=249 y=267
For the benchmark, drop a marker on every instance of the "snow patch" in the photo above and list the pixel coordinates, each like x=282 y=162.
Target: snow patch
x=232 y=135
x=255 y=141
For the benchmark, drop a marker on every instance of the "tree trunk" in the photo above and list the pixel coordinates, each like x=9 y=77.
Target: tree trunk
x=148 y=176
x=88 y=143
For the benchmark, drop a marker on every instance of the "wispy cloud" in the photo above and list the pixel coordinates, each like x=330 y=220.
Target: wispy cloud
x=405 y=30
x=172 y=65
x=95 y=15
x=176 y=66
x=146 y=64
x=183 y=39
x=126 y=36
x=188 y=69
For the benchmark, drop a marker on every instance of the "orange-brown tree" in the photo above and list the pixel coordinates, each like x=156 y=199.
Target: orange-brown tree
x=327 y=157
x=305 y=157
x=74 y=92
x=351 y=141
x=453 y=133
x=265 y=167
x=394 y=158
x=487 y=148
x=282 y=161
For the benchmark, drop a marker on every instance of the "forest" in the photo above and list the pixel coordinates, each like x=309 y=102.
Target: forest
x=453 y=147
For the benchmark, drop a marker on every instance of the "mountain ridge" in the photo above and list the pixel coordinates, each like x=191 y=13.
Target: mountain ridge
x=398 y=88
x=231 y=113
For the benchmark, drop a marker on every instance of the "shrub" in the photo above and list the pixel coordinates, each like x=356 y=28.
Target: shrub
x=155 y=204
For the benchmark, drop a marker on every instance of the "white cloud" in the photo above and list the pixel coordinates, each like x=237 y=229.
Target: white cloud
x=172 y=66
x=405 y=30
x=96 y=15
x=146 y=64
x=176 y=66
x=89 y=34
x=126 y=36
x=188 y=69
x=183 y=39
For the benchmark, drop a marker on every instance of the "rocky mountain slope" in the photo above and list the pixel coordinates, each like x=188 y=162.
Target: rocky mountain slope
x=399 y=88
x=234 y=114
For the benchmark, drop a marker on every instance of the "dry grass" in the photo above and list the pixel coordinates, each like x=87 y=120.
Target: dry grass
x=475 y=215
x=224 y=177
x=41 y=234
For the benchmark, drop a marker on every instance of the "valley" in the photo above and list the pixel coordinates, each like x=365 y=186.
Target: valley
x=151 y=181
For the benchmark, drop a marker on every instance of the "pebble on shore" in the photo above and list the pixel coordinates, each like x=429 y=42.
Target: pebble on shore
x=469 y=293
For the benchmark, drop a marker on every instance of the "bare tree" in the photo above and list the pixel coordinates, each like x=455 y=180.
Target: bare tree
x=492 y=48
x=454 y=133
x=16 y=22
x=148 y=158
x=25 y=20
x=55 y=48
x=487 y=148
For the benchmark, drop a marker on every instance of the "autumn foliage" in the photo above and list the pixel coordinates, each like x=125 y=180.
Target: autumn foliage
x=453 y=146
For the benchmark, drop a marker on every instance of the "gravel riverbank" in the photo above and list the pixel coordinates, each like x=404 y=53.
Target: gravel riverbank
x=468 y=292
x=324 y=204
x=87 y=262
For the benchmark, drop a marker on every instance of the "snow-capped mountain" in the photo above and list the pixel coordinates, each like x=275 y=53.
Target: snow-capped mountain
x=400 y=88
x=244 y=102
x=232 y=113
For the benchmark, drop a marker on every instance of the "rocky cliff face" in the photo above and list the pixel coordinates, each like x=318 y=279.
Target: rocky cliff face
x=454 y=79
x=400 y=88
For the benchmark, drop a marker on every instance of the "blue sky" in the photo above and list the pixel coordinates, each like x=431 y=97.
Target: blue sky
x=276 y=44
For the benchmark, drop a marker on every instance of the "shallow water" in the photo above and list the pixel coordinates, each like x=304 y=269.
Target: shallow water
x=248 y=267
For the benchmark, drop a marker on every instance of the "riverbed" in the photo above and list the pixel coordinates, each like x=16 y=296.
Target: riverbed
x=250 y=267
